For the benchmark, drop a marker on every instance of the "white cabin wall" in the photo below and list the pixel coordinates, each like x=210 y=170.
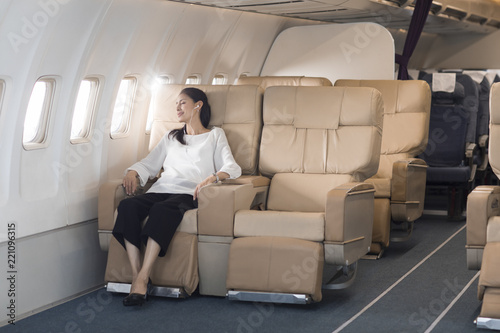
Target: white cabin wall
x=54 y=46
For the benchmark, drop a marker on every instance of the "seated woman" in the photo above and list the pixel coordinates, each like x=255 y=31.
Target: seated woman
x=191 y=157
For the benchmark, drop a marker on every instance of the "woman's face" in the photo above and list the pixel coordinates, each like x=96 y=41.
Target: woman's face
x=187 y=108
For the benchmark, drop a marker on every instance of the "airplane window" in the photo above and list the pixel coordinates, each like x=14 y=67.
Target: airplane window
x=244 y=74
x=193 y=79
x=37 y=115
x=219 y=79
x=84 y=110
x=123 y=107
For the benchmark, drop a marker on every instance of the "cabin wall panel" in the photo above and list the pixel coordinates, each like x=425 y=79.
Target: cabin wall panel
x=42 y=39
x=334 y=51
x=55 y=266
x=64 y=55
x=247 y=47
x=6 y=131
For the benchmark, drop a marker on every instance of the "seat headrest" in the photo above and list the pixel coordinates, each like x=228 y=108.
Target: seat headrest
x=445 y=87
x=271 y=81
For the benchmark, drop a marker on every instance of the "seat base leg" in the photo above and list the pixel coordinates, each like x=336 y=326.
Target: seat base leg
x=254 y=296
x=401 y=232
x=172 y=292
x=343 y=278
x=373 y=256
x=488 y=323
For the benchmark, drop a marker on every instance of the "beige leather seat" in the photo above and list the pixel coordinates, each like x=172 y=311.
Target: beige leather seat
x=318 y=144
x=400 y=179
x=269 y=81
x=237 y=109
x=483 y=227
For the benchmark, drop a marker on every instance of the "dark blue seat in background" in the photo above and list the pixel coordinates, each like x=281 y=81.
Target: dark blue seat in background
x=452 y=141
x=483 y=82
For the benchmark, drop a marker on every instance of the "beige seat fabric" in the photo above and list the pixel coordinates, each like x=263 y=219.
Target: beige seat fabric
x=269 y=81
x=400 y=179
x=317 y=144
x=238 y=111
x=483 y=225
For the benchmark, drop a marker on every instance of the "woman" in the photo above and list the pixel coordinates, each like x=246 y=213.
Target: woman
x=191 y=157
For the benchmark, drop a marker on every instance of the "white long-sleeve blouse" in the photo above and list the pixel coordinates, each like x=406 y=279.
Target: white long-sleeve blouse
x=185 y=166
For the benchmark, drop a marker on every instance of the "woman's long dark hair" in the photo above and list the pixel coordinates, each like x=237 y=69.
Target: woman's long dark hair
x=196 y=95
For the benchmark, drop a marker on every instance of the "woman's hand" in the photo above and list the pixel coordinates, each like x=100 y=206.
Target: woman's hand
x=209 y=180
x=130 y=182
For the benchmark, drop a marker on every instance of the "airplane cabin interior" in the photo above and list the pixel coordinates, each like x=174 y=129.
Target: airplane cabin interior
x=366 y=134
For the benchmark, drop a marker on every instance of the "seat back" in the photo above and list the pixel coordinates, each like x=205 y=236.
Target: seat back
x=494 y=143
x=316 y=138
x=237 y=109
x=270 y=81
x=453 y=118
x=406 y=119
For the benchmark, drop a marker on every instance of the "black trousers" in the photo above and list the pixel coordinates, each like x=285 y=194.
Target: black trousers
x=165 y=214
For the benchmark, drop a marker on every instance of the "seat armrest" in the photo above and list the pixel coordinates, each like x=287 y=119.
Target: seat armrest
x=256 y=181
x=110 y=195
x=408 y=189
x=483 y=141
x=482 y=203
x=349 y=213
x=470 y=150
x=483 y=152
x=217 y=204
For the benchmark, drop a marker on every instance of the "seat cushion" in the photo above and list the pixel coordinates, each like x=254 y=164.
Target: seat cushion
x=270 y=264
x=308 y=226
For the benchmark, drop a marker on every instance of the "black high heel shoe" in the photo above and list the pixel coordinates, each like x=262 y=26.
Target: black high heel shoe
x=137 y=299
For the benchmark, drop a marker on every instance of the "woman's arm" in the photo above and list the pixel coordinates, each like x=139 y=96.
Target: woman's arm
x=223 y=157
x=130 y=182
x=214 y=178
x=147 y=168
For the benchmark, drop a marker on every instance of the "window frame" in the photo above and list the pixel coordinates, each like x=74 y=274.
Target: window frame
x=196 y=78
x=220 y=79
x=124 y=126
x=41 y=138
x=91 y=110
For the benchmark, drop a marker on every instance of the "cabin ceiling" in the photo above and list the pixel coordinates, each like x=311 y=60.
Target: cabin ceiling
x=447 y=16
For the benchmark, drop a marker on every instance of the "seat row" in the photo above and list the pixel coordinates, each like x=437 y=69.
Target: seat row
x=457 y=149
x=483 y=227
x=320 y=186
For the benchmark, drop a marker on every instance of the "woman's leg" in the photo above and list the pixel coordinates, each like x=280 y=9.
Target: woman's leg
x=134 y=257
x=140 y=283
x=128 y=226
x=164 y=218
